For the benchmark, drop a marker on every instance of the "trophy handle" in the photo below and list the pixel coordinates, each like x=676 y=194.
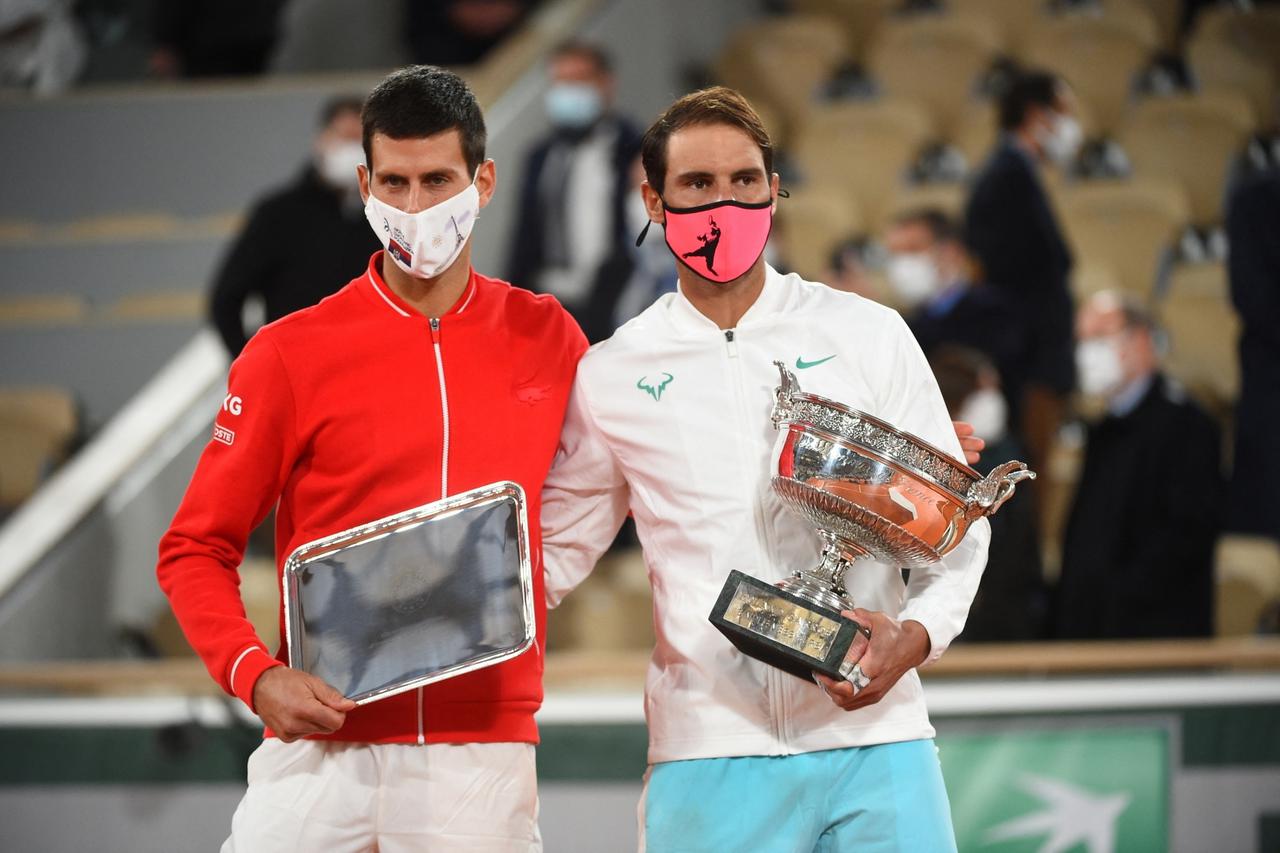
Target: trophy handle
x=788 y=387
x=989 y=494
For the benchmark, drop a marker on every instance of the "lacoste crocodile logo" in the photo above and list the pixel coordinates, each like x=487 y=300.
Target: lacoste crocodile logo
x=652 y=388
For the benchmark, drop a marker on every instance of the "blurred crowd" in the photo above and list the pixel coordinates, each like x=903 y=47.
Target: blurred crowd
x=970 y=214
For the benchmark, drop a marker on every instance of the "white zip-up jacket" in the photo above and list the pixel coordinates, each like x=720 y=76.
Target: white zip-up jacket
x=669 y=419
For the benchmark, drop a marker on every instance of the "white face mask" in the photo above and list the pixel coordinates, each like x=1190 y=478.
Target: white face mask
x=574 y=106
x=1062 y=139
x=426 y=243
x=337 y=165
x=913 y=276
x=1098 y=362
x=987 y=411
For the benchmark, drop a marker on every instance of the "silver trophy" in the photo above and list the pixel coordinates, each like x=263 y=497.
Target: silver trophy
x=427 y=594
x=873 y=492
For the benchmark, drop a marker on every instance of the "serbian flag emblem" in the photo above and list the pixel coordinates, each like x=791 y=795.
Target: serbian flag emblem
x=400 y=253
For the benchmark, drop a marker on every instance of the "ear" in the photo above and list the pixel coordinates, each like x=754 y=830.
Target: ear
x=653 y=203
x=362 y=173
x=774 y=183
x=486 y=181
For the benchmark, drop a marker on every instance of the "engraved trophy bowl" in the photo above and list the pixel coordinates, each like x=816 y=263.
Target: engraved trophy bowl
x=872 y=491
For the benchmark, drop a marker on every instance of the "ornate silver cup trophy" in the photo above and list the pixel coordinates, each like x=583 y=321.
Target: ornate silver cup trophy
x=873 y=492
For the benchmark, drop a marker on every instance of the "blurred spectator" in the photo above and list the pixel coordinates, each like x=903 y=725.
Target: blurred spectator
x=1015 y=237
x=304 y=241
x=930 y=272
x=1253 y=228
x=572 y=235
x=1137 y=556
x=460 y=32
x=41 y=47
x=214 y=38
x=847 y=268
x=1011 y=604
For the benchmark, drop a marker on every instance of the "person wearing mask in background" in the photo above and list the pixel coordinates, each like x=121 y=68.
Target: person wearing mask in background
x=1137 y=555
x=1012 y=231
x=571 y=235
x=929 y=271
x=1012 y=601
x=419 y=379
x=669 y=420
x=304 y=241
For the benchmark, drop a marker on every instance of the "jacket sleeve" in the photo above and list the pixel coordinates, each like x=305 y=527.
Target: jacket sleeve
x=243 y=272
x=938 y=597
x=238 y=479
x=584 y=501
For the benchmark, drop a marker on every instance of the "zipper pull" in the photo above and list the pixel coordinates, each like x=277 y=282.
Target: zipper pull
x=730 y=343
x=435 y=330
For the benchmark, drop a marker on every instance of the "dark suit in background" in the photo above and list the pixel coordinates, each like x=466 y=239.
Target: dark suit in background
x=300 y=244
x=542 y=231
x=1253 y=229
x=1138 y=549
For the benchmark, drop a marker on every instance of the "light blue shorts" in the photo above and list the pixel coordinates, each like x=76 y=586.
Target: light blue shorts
x=870 y=799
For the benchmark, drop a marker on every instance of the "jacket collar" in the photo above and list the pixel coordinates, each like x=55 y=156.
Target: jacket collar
x=772 y=300
x=382 y=295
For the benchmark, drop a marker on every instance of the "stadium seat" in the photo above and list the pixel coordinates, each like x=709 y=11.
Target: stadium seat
x=1247 y=575
x=159 y=307
x=864 y=149
x=1220 y=66
x=783 y=62
x=976 y=134
x=66 y=310
x=1190 y=139
x=1203 y=329
x=811 y=224
x=1255 y=32
x=1165 y=14
x=1125 y=226
x=1013 y=18
x=38 y=424
x=936 y=62
x=949 y=198
x=860 y=19
x=1099 y=57
x=1089 y=276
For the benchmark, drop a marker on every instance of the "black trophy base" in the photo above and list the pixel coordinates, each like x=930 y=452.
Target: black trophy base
x=782 y=629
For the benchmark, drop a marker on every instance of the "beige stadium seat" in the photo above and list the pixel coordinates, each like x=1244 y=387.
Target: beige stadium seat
x=1125 y=226
x=1192 y=140
x=1220 y=66
x=37 y=426
x=860 y=19
x=1255 y=32
x=975 y=137
x=1247 y=575
x=935 y=61
x=176 y=306
x=1166 y=15
x=863 y=149
x=949 y=198
x=1203 y=330
x=783 y=61
x=1013 y=18
x=1098 y=57
x=66 y=310
x=811 y=224
x=1089 y=277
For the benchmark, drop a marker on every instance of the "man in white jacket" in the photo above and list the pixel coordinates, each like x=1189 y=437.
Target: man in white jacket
x=669 y=419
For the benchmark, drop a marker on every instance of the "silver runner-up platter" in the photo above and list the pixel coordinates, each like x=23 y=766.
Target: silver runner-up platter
x=414 y=598
x=872 y=492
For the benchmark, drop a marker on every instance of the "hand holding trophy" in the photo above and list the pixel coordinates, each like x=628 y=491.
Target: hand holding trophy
x=873 y=492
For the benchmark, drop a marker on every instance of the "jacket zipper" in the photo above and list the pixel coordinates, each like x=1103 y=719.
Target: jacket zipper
x=444 y=468
x=773 y=680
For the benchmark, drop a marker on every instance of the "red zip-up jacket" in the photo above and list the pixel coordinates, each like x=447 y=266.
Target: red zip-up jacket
x=355 y=409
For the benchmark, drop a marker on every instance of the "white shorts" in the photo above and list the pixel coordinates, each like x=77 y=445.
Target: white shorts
x=347 y=797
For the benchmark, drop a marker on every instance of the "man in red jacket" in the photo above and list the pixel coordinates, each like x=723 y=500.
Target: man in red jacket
x=419 y=379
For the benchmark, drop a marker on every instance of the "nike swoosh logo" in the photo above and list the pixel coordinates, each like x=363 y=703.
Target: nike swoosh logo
x=801 y=364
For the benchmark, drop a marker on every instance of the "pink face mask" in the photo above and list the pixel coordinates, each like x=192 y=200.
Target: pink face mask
x=719 y=241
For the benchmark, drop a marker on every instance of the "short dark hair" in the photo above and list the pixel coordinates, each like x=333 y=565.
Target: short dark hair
x=593 y=52
x=420 y=101
x=716 y=105
x=942 y=228
x=337 y=105
x=959 y=371
x=1025 y=90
